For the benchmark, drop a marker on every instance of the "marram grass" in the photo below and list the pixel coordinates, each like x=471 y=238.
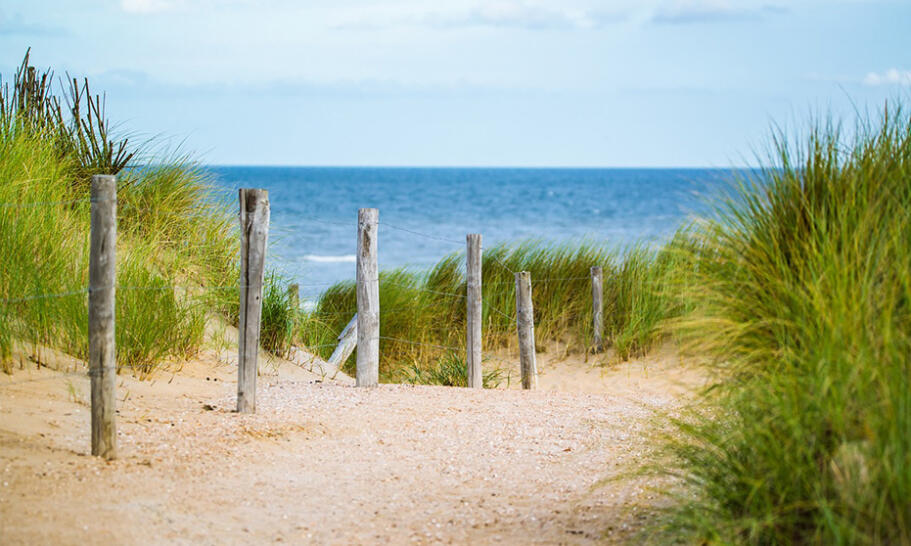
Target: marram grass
x=801 y=292
x=173 y=237
x=422 y=314
x=45 y=247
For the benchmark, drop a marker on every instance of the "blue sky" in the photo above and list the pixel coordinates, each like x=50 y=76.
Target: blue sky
x=468 y=82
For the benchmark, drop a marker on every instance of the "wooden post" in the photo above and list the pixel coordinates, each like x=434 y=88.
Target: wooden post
x=473 y=311
x=368 y=300
x=347 y=341
x=525 y=323
x=102 y=350
x=254 y=231
x=597 y=308
x=294 y=296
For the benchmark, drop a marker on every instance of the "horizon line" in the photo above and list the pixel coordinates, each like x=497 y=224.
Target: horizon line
x=529 y=167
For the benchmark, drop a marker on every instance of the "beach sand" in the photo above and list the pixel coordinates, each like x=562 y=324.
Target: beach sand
x=325 y=463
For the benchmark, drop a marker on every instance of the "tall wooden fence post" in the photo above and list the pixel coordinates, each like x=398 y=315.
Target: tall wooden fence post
x=473 y=311
x=254 y=231
x=525 y=323
x=102 y=350
x=597 y=308
x=368 y=300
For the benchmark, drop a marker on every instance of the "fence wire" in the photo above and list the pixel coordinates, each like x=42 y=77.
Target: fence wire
x=410 y=342
x=45 y=296
x=14 y=204
x=501 y=264
x=542 y=280
x=419 y=289
x=330 y=222
x=419 y=234
x=493 y=308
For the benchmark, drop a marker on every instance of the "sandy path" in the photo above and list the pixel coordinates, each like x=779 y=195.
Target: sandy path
x=330 y=464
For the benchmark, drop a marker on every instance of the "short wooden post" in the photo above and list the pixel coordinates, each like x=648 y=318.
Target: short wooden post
x=254 y=231
x=294 y=296
x=102 y=350
x=525 y=323
x=368 y=300
x=597 y=308
x=473 y=311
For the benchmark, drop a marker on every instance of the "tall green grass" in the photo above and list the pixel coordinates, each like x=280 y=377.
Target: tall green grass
x=422 y=321
x=175 y=240
x=279 y=316
x=451 y=370
x=801 y=292
x=45 y=249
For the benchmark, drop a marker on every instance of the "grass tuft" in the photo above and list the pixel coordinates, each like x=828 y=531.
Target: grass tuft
x=174 y=237
x=422 y=319
x=801 y=293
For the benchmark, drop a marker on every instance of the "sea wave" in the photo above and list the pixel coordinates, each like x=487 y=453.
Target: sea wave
x=349 y=258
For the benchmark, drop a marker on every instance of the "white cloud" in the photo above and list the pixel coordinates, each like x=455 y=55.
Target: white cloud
x=893 y=76
x=147 y=6
x=696 y=11
x=519 y=14
x=162 y=6
x=502 y=13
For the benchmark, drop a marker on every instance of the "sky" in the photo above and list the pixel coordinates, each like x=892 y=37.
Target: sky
x=649 y=83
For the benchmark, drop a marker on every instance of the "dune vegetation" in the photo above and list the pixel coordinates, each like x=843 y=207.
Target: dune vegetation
x=173 y=237
x=422 y=314
x=800 y=293
x=796 y=292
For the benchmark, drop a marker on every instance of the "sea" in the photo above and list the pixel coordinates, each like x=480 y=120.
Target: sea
x=425 y=213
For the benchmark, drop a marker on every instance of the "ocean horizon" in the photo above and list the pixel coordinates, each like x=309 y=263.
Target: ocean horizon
x=425 y=212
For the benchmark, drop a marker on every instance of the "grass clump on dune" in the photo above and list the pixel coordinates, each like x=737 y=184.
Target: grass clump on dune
x=422 y=321
x=173 y=237
x=801 y=292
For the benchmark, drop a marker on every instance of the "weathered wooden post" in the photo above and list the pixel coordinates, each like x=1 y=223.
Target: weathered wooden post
x=597 y=308
x=368 y=300
x=294 y=296
x=254 y=231
x=347 y=341
x=473 y=311
x=525 y=323
x=102 y=351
